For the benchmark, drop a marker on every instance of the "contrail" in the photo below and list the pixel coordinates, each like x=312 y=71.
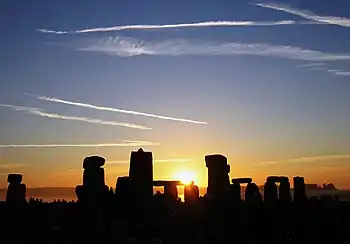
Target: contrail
x=129 y=47
x=310 y=65
x=332 y=20
x=183 y=25
x=91 y=106
x=41 y=113
x=124 y=143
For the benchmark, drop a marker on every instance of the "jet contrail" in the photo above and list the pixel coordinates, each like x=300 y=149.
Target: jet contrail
x=117 y=110
x=310 y=65
x=41 y=113
x=124 y=143
x=332 y=20
x=183 y=25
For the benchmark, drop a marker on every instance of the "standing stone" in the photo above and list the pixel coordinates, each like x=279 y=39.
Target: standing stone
x=270 y=190
x=170 y=190
x=218 y=175
x=252 y=193
x=299 y=189
x=141 y=173
x=16 y=192
x=284 y=190
x=93 y=188
x=235 y=188
x=191 y=193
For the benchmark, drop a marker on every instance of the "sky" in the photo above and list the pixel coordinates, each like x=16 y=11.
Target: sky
x=264 y=83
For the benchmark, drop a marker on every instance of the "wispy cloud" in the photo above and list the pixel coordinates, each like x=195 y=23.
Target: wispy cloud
x=320 y=67
x=172 y=160
x=36 y=111
x=123 y=143
x=332 y=20
x=309 y=159
x=182 y=25
x=339 y=73
x=320 y=158
x=117 y=110
x=310 y=65
x=12 y=166
x=128 y=47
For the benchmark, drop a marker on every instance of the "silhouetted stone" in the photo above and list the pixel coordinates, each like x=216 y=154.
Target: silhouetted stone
x=141 y=173
x=235 y=188
x=218 y=175
x=94 y=178
x=14 y=178
x=170 y=187
x=242 y=180
x=93 y=162
x=252 y=193
x=93 y=189
x=284 y=190
x=191 y=193
x=235 y=191
x=270 y=189
x=170 y=190
x=299 y=189
x=16 y=192
x=124 y=188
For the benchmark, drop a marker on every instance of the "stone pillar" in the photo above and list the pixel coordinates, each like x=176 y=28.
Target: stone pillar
x=191 y=193
x=141 y=173
x=299 y=189
x=284 y=191
x=218 y=175
x=16 y=192
x=270 y=190
x=170 y=190
x=93 y=188
x=252 y=193
x=235 y=189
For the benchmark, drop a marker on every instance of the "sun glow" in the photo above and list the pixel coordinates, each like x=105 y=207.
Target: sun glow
x=186 y=177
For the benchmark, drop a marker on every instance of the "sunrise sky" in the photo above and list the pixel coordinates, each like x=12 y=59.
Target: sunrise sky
x=264 y=83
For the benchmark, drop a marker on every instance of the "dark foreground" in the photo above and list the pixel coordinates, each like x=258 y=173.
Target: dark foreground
x=132 y=214
x=205 y=221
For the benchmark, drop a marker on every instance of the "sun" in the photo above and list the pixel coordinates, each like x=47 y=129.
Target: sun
x=185 y=176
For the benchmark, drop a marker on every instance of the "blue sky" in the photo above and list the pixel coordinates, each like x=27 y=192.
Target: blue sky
x=269 y=91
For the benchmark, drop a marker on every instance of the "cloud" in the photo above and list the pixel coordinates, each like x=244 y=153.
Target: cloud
x=183 y=25
x=117 y=110
x=320 y=158
x=310 y=65
x=172 y=160
x=12 y=166
x=128 y=47
x=332 y=20
x=341 y=73
x=309 y=159
x=41 y=113
x=333 y=71
x=123 y=143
